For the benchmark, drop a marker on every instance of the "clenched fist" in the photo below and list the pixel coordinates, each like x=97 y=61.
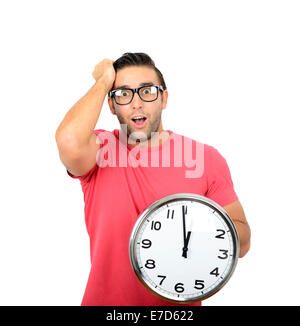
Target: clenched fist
x=105 y=72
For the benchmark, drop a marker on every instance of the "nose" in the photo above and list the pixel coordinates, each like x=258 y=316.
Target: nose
x=136 y=101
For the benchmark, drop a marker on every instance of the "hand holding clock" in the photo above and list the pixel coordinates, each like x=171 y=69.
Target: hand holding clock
x=186 y=237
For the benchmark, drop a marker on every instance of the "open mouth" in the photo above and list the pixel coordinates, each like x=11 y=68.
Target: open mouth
x=139 y=121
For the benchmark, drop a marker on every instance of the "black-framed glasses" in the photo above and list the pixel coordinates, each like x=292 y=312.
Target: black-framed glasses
x=124 y=96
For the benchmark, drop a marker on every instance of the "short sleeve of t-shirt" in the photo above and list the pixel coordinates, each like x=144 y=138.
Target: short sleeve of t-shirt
x=219 y=183
x=84 y=179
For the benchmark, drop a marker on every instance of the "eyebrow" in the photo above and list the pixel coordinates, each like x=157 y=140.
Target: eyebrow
x=141 y=84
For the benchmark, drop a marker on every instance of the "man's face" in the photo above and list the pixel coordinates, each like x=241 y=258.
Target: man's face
x=134 y=77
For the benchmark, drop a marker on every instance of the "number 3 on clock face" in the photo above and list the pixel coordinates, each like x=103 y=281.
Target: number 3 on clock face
x=184 y=248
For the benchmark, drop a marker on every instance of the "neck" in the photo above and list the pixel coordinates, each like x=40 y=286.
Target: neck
x=157 y=139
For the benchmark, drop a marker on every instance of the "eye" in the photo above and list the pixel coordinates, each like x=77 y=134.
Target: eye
x=146 y=91
x=122 y=93
x=149 y=90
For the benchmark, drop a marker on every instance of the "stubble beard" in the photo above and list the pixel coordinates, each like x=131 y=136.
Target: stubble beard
x=140 y=136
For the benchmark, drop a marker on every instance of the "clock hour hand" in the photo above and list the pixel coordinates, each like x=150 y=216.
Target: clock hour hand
x=185 y=248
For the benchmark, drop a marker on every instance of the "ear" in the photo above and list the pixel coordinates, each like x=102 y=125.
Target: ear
x=111 y=105
x=164 y=99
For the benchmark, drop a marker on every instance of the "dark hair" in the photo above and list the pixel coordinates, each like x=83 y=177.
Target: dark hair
x=138 y=59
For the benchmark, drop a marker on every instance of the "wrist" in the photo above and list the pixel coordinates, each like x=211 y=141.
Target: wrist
x=103 y=85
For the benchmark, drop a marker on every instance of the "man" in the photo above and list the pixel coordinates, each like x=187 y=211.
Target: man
x=119 y=186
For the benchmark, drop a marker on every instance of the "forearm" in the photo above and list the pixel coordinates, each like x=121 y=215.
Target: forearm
x=80 y=121
x=244 y=234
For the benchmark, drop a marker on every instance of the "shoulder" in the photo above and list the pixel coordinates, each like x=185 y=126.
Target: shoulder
x=185 y=140
x=208 y=149
x=215 y=163
x=212 y=157
x=212 y=153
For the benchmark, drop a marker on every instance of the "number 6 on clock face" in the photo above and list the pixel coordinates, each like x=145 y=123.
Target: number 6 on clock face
x=184 y=248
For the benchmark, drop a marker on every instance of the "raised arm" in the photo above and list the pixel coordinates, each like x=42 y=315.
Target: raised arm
x=74 y=136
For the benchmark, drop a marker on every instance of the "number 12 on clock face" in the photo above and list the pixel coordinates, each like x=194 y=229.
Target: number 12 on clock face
x=184 y=248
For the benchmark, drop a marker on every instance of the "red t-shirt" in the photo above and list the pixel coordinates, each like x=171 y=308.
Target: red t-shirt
x=122 y=184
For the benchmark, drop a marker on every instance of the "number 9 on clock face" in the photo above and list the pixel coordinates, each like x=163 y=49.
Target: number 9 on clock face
x=184 y=248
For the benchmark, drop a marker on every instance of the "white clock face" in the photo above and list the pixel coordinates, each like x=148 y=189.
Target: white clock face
x=184 y=249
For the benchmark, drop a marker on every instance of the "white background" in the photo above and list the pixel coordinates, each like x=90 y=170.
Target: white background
x=232 y=69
